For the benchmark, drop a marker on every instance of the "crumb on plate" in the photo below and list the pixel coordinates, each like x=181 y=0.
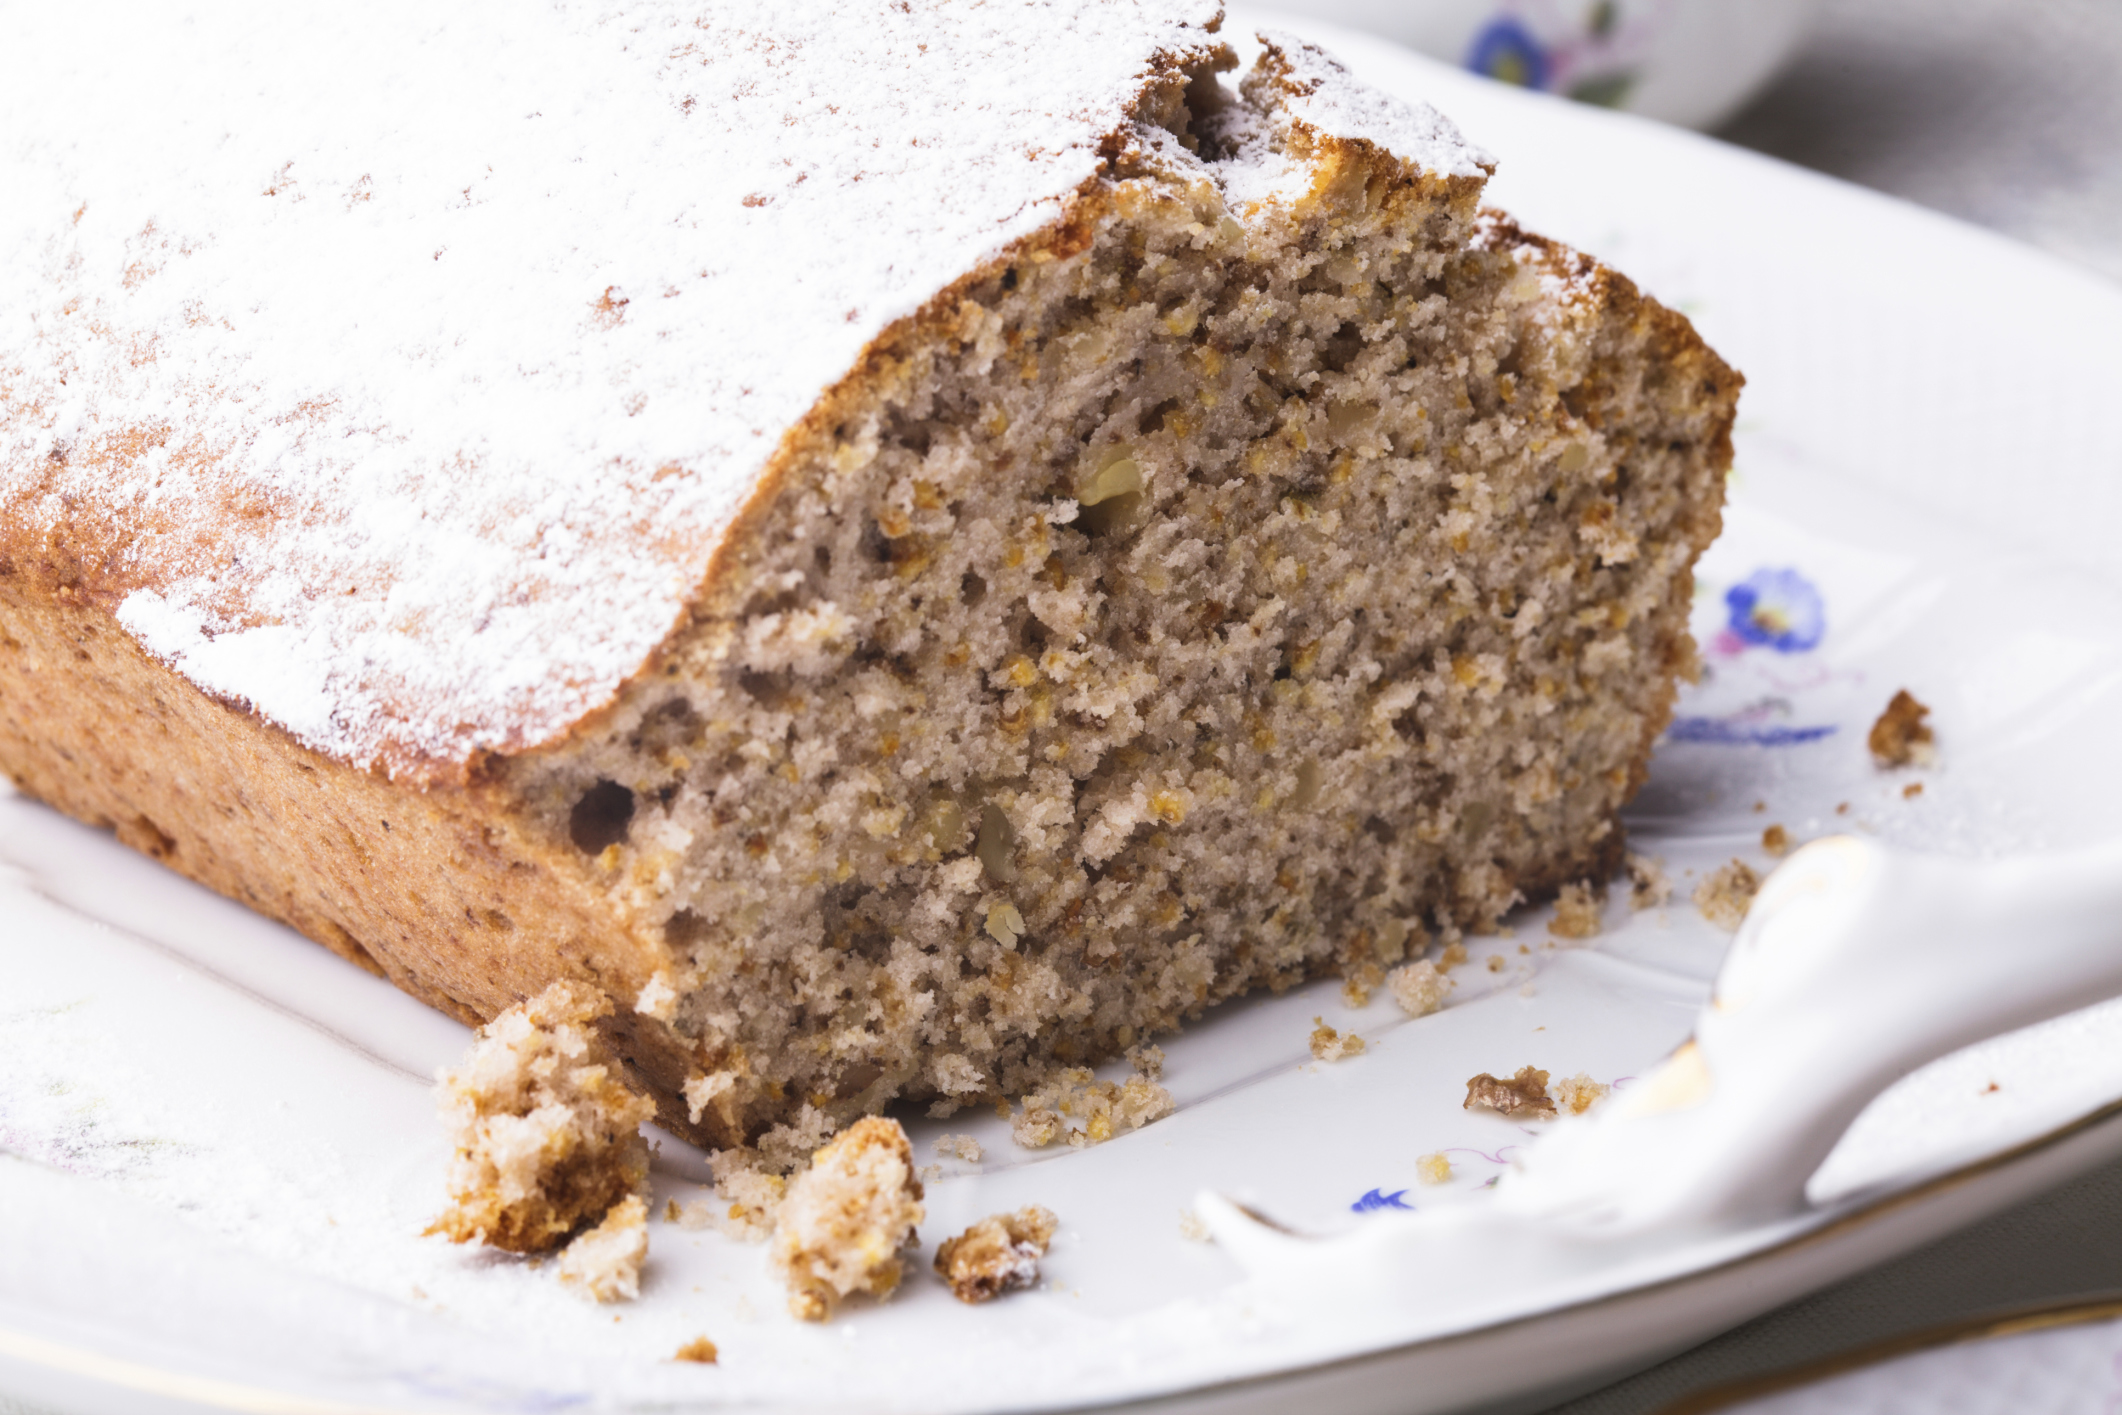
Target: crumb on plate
x=998 y=1254
x=1419 y=987
x=604 y=1264
x=1901 y=737
x=1578 y=910
x=546 y=1130
x=1330 y=1045
x=1726 y=894
x=844 y=1220
x=1579 y=1093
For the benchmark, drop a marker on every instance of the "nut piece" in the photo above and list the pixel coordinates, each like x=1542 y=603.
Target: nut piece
x=998 y=1254
x=1523 y=1094
x=1419 y=987
x=699 y=1349
x=547 y=1132
x=1726 y=895
x=844 y=1220
x=604 y=1264
x=1899 y=737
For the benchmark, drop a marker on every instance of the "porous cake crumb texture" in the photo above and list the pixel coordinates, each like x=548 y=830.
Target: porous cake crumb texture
x=1578 y=911
x=1726 y=894
x=845 y=1219
x=1579 y=1093
x=546 y=1129
x=604 y=1264
x=1419 y=987
x=1523 y=1094
x=1901 y=737
x=998 y=1254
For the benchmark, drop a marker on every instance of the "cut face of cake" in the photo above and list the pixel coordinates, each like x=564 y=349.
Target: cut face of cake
x=1230 y=559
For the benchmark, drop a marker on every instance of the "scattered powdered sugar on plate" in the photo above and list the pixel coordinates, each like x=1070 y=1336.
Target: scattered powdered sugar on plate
x=399 y=368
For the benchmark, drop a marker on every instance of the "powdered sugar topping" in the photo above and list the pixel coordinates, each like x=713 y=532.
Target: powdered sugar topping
x=413 y=359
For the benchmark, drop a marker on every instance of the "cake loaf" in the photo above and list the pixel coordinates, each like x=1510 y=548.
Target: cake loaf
x=909 y=545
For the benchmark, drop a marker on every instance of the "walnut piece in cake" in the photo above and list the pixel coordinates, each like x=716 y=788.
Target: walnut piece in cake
x=1725 y=896
x=1577 y=910
x=604 y=1264
x=699 y=1350
x=1648 y=884
x=1900 y=737
x=1328 y=1044
x=1523 y=1094
x=1579 y=1093
x=998 y=1254
x=1419 y=987
x=844 y=1220
x=547 y=1131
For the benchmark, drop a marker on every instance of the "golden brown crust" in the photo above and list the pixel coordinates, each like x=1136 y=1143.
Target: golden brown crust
x=437 y=889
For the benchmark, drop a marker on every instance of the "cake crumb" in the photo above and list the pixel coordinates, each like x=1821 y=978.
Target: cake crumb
x=1648 y=884
x=1193 y=1228
x=1523 y=1094
x=963 y=1147
x=1578 y=910
x=844 y=1220
x=1725 y=895
x=929 y=1173
x=1900 y=737
x=1496 y=963
x=1330 y=1045
x=1760 y=807
x=604 y=1264
x=1579 y=1093
x=1911 y=791
x=1453 y=955
x=1842 y=808
x=1147 y=1059
x=1358 y=984
x=749 y=1193
x=1776 y=841
x=998 y=1254
x=546 y=1130
x=1419 y=987
x=699 y=1350
x=1105 y=1108
x=1434 y=1168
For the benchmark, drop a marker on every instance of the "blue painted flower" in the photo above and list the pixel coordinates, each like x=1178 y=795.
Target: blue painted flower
x=1719 y=732
x=1506 y=50
x=1778 y=609
x=1374 y=1201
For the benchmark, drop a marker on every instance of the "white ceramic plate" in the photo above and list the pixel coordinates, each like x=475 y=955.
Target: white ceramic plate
x=220 y=1148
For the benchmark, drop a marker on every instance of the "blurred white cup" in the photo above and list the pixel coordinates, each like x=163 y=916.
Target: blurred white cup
x=1693 y=62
